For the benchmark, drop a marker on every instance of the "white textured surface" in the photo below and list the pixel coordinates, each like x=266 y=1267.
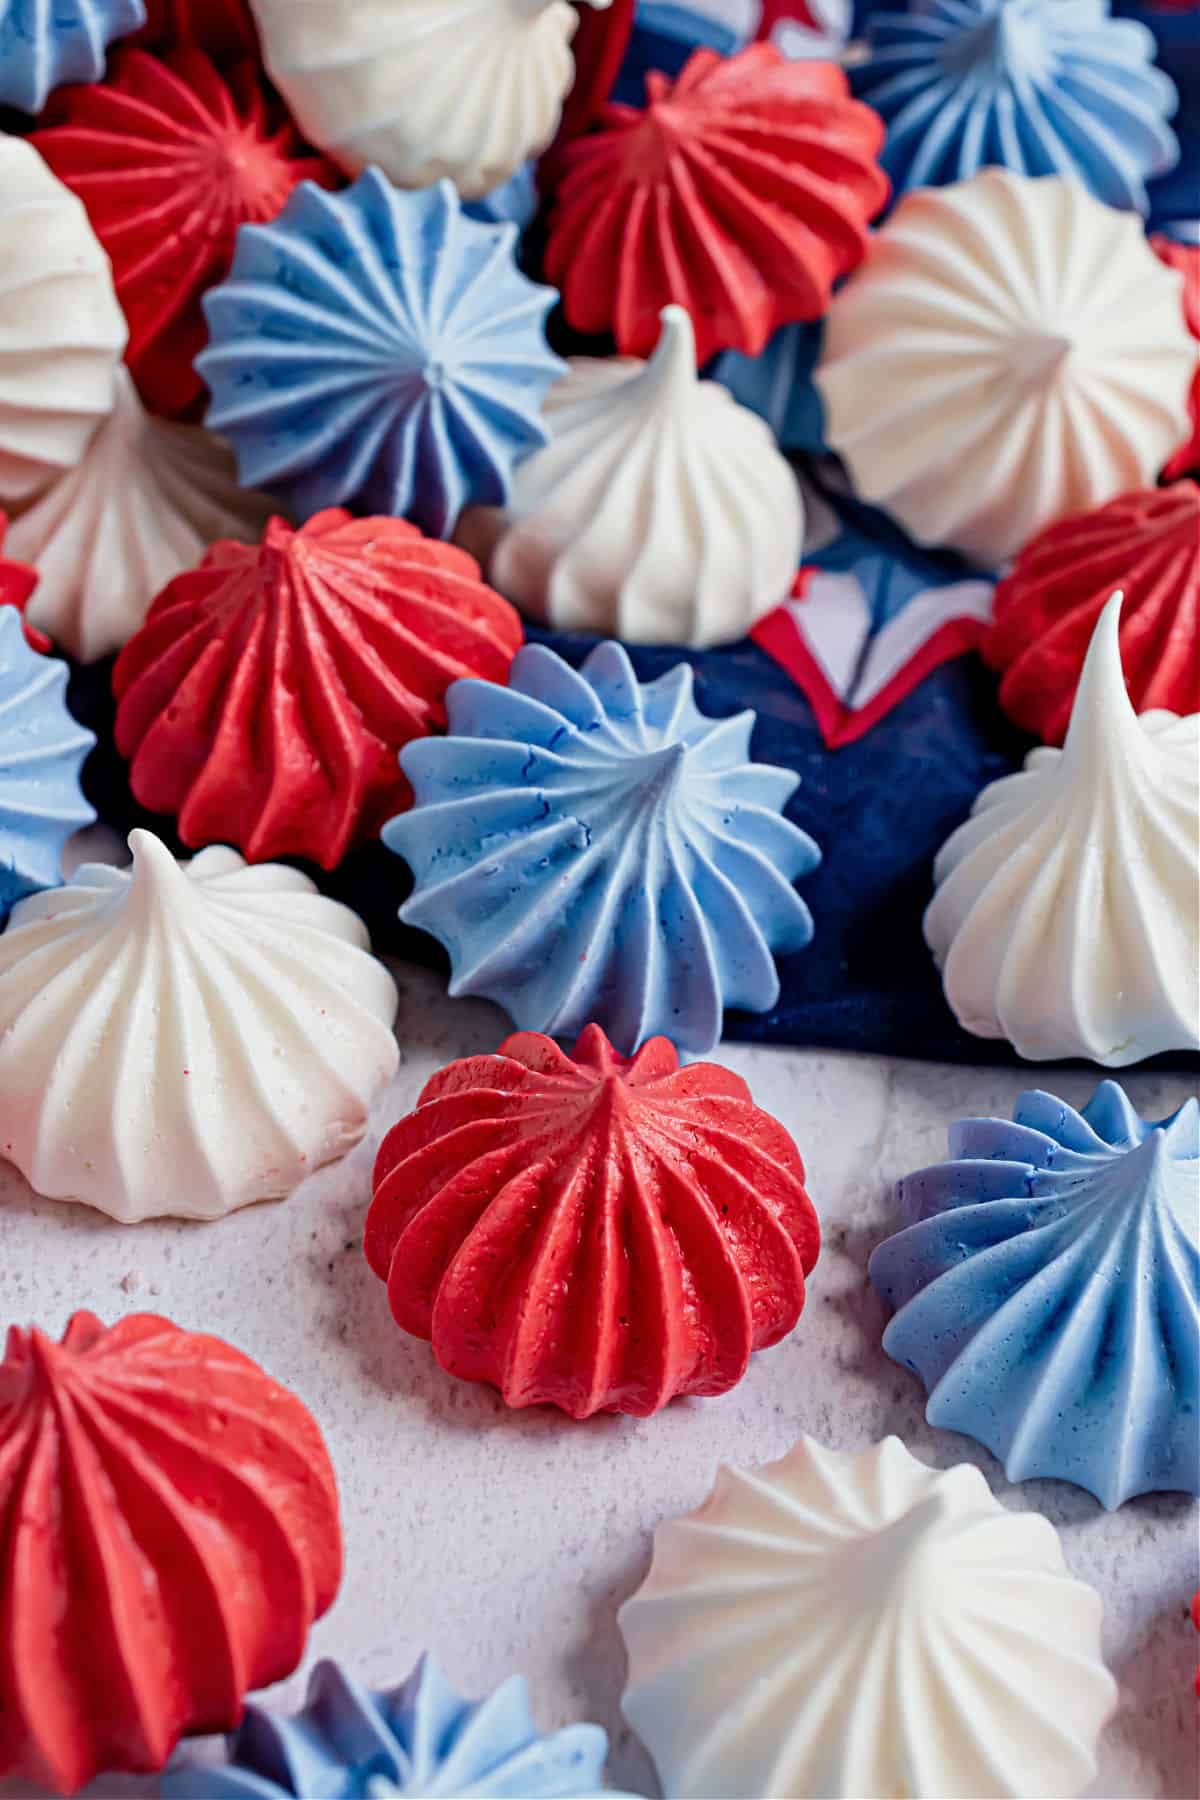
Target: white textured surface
x=507 y=1541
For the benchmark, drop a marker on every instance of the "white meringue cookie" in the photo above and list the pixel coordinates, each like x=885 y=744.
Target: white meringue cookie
x=145 y=503
x=850 y=1624
x=424 y=88
x=61 y=329
x=180 y=1039
x=1010 y=352
x=1065 y=917
x=661 y=511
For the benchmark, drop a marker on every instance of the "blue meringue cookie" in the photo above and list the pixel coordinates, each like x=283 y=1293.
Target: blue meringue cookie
x=44 y=43
x=379 y=349
x=418 y=1739
x=590 y=850
x=1048 y=1294
x=42 y=751
x=1043 y=87
x=778 y=385
x=514 y=202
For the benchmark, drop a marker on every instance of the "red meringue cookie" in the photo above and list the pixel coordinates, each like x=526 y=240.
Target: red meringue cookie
x=1046 y=609
x=1185 y=258
x=266 y=696
x=17 y=582
x=592 y=1231
x=598 y=47
x=741 y=192
x=170 y=1529
x=170 y=156
x=221 y=27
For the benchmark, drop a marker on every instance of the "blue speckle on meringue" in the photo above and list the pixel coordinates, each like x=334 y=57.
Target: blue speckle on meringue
x=590 y=850
x=420 y=1739
x=1042 y=87
x=381 y=350
x=42 y=751
x=1048 y=1292
x=44 y=43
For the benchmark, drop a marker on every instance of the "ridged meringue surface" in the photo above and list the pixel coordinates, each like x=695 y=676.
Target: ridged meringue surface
x=425 y=89
x=182 y=1039
x=379 y=349
x=421 y=1739
x=42 y=752
x=660 y=511
x=1044 y=87
x=594 y=851
x=1012 y=351
x=1065 y=915
x=145 y=502
x=848 y=1624
x=170 y=1521
x=590 y=1232
x=1047 y=1292
x=62 y=330
x=44 y=43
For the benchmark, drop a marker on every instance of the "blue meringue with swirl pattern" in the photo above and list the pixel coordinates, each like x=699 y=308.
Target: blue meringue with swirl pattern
x=417 y=1739
x=44 y=43
x=1042 y=87
x=379 y=349
x=594 y=851
x=42 y=751
x=1048 y=1293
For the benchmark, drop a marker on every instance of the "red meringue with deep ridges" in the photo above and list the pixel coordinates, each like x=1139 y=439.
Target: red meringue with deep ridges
x=1046 y=609
x=742 y=192
x=265 y=698
x=170 y=1532
x=592 y=1231
x=17 y=582
x=170 y=156
x=1185 y=258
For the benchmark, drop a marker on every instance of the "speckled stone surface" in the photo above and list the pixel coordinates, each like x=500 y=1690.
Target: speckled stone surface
x=507 y=1540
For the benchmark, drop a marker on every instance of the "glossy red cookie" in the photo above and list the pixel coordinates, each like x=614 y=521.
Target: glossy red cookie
x=170 y=155
x=1045 y=611
x=742 y=191
x=264 y=700
x=170 y=1532
x=592 y=1231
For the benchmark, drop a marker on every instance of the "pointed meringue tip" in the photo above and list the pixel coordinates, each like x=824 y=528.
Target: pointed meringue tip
x=1101 y=697
x=154 y=868
x=674 y=358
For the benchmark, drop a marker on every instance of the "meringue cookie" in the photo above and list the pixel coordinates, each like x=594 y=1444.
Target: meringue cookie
x=1065 y=915
x=850 y=1624
x=182 y=1039
x=44 y=43
x=62 y=330
x=1012 y=351
x=145 y=503
x=42 y=752
x=424 y=88
x=659 y=512
x=592 y=850
x=1042 y=1244
x=419 y=1739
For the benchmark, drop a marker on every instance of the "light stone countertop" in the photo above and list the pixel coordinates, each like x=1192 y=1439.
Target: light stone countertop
x=505 y=1541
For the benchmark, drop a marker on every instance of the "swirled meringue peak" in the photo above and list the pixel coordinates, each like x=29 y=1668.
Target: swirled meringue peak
x=588 y=1231
x=419 y=1739
x=1045 y=87
x=1048 y=1292
x=1011 y=351
x=42 y=753
x=852 y=1623
x=590 y=850
x=1065 y=915
x=660 y=511
x=180 y=1039
x=460 y=88
x=379 y=349
x=170 y=1521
